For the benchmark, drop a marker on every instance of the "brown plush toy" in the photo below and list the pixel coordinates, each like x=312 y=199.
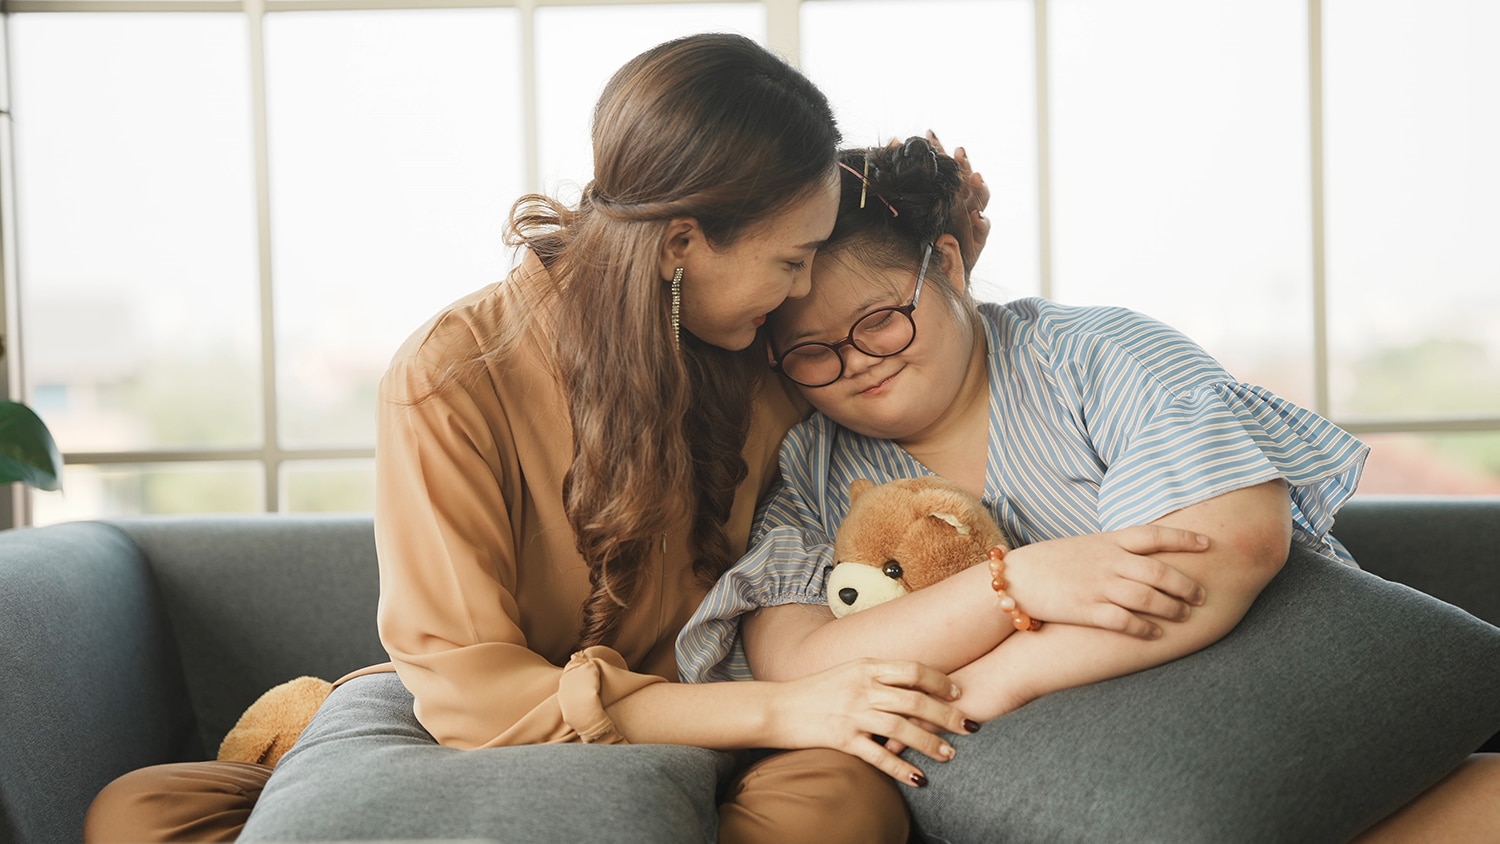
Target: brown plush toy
x=902 y=535
x=273 y=722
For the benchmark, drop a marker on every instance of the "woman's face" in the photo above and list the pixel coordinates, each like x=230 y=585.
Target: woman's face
x=726 y=294
x=896 y=397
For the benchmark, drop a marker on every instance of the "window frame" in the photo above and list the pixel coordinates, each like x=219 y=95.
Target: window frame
x=783 y=33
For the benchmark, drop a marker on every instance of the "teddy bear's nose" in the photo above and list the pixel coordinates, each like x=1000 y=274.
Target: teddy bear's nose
x=849 y=595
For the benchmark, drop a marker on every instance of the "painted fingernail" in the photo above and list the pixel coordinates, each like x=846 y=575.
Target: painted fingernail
x=917 y=779
x=971 y=726
x=946 y=751
x=953 y=692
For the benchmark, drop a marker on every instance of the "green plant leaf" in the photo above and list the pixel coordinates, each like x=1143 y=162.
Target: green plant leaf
x=27 y=450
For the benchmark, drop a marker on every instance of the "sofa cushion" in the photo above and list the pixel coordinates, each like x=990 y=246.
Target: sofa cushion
x=365 y=769
x=1339 y=697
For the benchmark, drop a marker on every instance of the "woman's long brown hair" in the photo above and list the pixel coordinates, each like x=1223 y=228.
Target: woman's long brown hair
x=711 y=127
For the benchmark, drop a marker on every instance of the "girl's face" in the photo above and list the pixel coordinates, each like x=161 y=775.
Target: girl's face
x=726 y=294
x=898 y=397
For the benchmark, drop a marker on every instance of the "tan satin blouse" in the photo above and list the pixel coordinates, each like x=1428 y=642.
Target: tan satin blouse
x=480 y=582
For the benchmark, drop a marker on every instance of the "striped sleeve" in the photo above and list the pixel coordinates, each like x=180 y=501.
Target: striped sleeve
x=791 y=553
x=1174 y=429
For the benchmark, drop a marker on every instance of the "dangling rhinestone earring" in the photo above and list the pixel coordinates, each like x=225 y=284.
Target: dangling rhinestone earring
x=677 y=308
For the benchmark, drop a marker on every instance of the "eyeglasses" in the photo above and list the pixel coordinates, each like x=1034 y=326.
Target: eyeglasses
x=880 y=333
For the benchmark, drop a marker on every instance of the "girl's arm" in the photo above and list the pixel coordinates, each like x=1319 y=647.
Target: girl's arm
x=1251 y=532
x=954 y=622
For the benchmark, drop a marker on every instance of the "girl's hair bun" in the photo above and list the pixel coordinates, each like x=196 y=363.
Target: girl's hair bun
x=914 y=186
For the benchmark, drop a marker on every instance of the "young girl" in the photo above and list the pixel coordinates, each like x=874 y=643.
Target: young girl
x=1083 y=429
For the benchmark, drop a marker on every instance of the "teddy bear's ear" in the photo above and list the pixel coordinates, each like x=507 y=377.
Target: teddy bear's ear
x=957 y=523
x=858 y=487
x=251 y=745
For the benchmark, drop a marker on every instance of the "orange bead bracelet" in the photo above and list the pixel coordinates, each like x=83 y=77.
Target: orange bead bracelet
x=1021 y=620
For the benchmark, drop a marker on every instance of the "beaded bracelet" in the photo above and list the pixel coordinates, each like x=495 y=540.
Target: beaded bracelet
x=1021 y=620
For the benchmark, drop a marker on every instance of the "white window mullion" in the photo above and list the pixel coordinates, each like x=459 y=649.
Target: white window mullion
x=271 y=444
x=533 y=170
x=15 y=500
x=784 y=29
x=1319 y=264
x=1043 y=150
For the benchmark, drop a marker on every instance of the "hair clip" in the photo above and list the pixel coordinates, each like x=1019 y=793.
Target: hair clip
x=864 y=180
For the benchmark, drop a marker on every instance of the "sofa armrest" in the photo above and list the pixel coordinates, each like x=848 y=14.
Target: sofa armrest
x=90 y=683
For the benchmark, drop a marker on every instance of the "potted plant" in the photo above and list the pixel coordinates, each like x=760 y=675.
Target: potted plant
x=27 y=450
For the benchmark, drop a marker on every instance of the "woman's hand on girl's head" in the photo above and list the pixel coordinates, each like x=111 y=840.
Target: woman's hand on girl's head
x=1107 y=580
x=973 y=227
x=871 y=709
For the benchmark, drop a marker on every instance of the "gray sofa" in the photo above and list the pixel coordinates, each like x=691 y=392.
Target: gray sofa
x=132 y=642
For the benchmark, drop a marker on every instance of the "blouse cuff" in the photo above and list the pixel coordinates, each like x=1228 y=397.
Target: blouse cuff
x=593 y=679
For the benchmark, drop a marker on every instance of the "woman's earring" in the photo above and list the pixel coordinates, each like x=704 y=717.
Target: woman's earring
x=677 y=307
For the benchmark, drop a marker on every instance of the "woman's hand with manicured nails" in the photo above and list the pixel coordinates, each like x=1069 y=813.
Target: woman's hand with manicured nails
x=905 y=703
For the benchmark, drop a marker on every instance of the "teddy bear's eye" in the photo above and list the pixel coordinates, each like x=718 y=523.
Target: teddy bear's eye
x=893 y=570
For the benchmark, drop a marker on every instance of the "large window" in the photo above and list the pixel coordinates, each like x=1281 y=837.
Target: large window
x=222 y=217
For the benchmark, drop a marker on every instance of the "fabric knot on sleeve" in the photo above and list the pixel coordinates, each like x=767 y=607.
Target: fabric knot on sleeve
x=593 y=679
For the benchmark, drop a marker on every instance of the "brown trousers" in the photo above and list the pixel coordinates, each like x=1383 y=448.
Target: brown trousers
x=801 y=795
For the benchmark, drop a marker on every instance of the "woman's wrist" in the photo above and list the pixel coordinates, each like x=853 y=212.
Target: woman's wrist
x=768 y=716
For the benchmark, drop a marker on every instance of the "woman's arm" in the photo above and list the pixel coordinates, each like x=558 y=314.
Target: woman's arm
x=840 y=708
x=1251 y=531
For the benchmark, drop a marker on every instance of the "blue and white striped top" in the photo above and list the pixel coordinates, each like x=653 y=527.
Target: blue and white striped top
x=1100 y=418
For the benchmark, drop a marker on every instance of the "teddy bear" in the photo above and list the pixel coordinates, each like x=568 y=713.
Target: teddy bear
x=273 y=722
x=902 y=535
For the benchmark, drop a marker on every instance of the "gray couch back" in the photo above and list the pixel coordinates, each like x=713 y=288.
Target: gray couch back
x=1448 y=547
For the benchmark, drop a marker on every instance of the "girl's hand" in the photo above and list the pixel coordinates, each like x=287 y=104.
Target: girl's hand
x=866 y=707
x=1107 y=580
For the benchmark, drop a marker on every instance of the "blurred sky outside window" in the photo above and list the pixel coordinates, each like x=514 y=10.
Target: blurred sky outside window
x=1179 y=168
x=389 y=191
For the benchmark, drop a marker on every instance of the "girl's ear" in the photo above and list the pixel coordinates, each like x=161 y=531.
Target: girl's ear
x=953 y=262
x=683 y=236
